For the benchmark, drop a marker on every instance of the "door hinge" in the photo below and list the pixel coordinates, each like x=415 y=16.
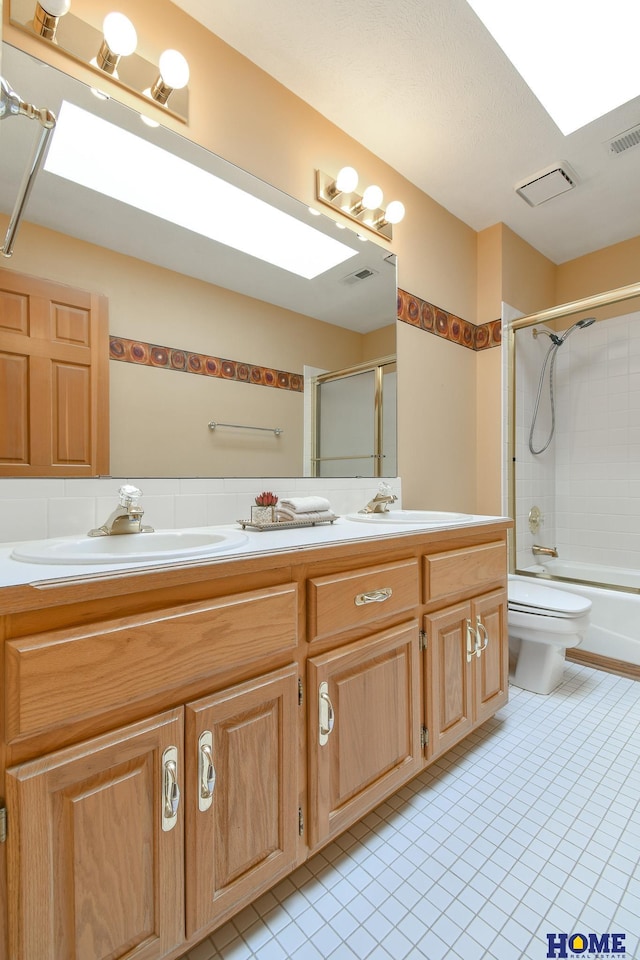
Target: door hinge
x=422 y=643
x=300 y=822
x=424 y=737
x=3 y=824
x=300 y=692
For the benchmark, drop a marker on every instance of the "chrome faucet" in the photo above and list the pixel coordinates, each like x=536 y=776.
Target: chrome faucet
x=127 y=516
x=381 y=501
x=539 y=551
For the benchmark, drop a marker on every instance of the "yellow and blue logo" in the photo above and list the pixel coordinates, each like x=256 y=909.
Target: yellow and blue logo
x=563 y=945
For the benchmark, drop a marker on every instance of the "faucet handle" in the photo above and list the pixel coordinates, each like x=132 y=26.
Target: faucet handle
x=129 y=495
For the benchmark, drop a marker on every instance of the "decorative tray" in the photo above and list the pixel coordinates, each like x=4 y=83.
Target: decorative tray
x=284 y=524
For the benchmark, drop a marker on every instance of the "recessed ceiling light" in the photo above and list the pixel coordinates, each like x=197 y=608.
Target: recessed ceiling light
x=579 y=59
x=103 y=157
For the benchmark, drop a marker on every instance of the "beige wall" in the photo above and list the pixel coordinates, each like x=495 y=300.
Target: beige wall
x=607 y=269
x=439 y=431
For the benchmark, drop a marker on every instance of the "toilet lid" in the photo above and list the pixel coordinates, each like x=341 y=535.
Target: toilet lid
x=530 y=597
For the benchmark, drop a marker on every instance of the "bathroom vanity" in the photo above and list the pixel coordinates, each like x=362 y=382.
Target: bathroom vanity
x=178 y=738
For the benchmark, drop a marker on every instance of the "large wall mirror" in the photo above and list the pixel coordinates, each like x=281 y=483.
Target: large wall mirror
x=178 y=294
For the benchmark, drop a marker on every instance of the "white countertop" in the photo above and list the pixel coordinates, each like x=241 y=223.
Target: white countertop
x=257 y=543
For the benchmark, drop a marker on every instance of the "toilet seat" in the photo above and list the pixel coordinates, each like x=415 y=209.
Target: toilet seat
x=542 y=601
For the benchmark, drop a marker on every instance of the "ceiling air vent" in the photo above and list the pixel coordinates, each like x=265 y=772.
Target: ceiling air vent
x=624 y=141
x=549 y=183
x=362 y=274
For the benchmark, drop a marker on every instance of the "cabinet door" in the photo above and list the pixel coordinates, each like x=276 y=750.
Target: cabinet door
x=364 y=727
x=242 y=794
x=448 y=678
x=491 y=668
x=93 y=872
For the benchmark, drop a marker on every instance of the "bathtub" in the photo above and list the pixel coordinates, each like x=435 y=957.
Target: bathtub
x=614 y=631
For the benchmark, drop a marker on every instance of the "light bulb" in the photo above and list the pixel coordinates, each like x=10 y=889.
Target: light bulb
x=119 y=34
x=347 y=180
x=174 y=69
x=394 y=212
x=56 y=8
x=372 y=198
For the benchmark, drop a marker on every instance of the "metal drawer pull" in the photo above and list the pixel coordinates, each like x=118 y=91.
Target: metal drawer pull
x=170 y=788
x=482 y=641
x=206 y=770
x=374 y=596
x=326 y=715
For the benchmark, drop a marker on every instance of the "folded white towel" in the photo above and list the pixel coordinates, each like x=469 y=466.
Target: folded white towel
x=305 y=504
x=282 y=513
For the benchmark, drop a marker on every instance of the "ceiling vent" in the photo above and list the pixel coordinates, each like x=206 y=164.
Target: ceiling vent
x=362 y=274
x=549 y=183
x=624 y=141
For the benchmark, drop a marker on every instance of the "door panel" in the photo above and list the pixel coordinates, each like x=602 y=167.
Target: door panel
x=447 y=684
x=94 y=876
x=492 y=667
x=373 y=694
x=246 y=837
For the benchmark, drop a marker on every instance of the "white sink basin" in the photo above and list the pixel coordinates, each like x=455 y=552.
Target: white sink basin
x=130 y=548
x=411 y=516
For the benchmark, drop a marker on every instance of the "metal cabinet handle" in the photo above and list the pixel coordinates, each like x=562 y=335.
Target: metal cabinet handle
x=471 y=641
x=206 y=770
x=373 y=596
x=170 y=788
x=482 y=636
x=326 y=715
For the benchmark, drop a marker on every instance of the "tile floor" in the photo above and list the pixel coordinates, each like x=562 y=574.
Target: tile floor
x=530 y=826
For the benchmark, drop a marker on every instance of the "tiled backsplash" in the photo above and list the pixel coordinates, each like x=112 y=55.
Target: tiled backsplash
x=34 y=509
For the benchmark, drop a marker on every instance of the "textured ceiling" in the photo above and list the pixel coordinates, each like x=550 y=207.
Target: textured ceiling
x=423 y=85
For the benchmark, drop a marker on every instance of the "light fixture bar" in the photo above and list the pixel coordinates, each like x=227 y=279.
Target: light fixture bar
x=76 y=37
x=354 y=206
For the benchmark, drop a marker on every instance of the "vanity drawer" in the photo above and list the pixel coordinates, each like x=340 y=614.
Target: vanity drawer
x=345 y=601
x=467 y=571
x=63 y=676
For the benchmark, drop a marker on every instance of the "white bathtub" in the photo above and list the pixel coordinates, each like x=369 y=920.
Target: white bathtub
x=614 y=630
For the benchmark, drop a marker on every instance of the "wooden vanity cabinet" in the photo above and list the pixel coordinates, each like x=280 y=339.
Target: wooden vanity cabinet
x=467 y=654
x=165 y=766
x=126 y=844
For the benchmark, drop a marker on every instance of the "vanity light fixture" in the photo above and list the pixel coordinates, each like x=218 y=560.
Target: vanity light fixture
x=47 y=15
x=108 y=45
x=173 y=75
x=120 y=40
x=366 y=209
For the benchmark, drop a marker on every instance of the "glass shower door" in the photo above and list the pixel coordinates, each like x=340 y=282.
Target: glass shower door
x=356 y=423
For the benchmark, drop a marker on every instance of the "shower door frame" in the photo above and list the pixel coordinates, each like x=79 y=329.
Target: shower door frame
x=608 y=297
x=376 y=367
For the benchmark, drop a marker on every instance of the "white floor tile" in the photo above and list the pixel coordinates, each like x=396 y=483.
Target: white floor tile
x=530 y=826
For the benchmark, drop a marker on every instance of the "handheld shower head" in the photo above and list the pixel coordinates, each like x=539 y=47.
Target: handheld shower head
x=585 y=322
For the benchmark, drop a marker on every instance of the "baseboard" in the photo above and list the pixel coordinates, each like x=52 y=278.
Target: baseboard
x=621 y=667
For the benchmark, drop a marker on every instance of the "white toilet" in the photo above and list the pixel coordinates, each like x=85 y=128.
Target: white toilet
x=545 y=621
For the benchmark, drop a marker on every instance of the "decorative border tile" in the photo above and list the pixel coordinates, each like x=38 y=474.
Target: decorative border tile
x=171 y=358
x=426 y=316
